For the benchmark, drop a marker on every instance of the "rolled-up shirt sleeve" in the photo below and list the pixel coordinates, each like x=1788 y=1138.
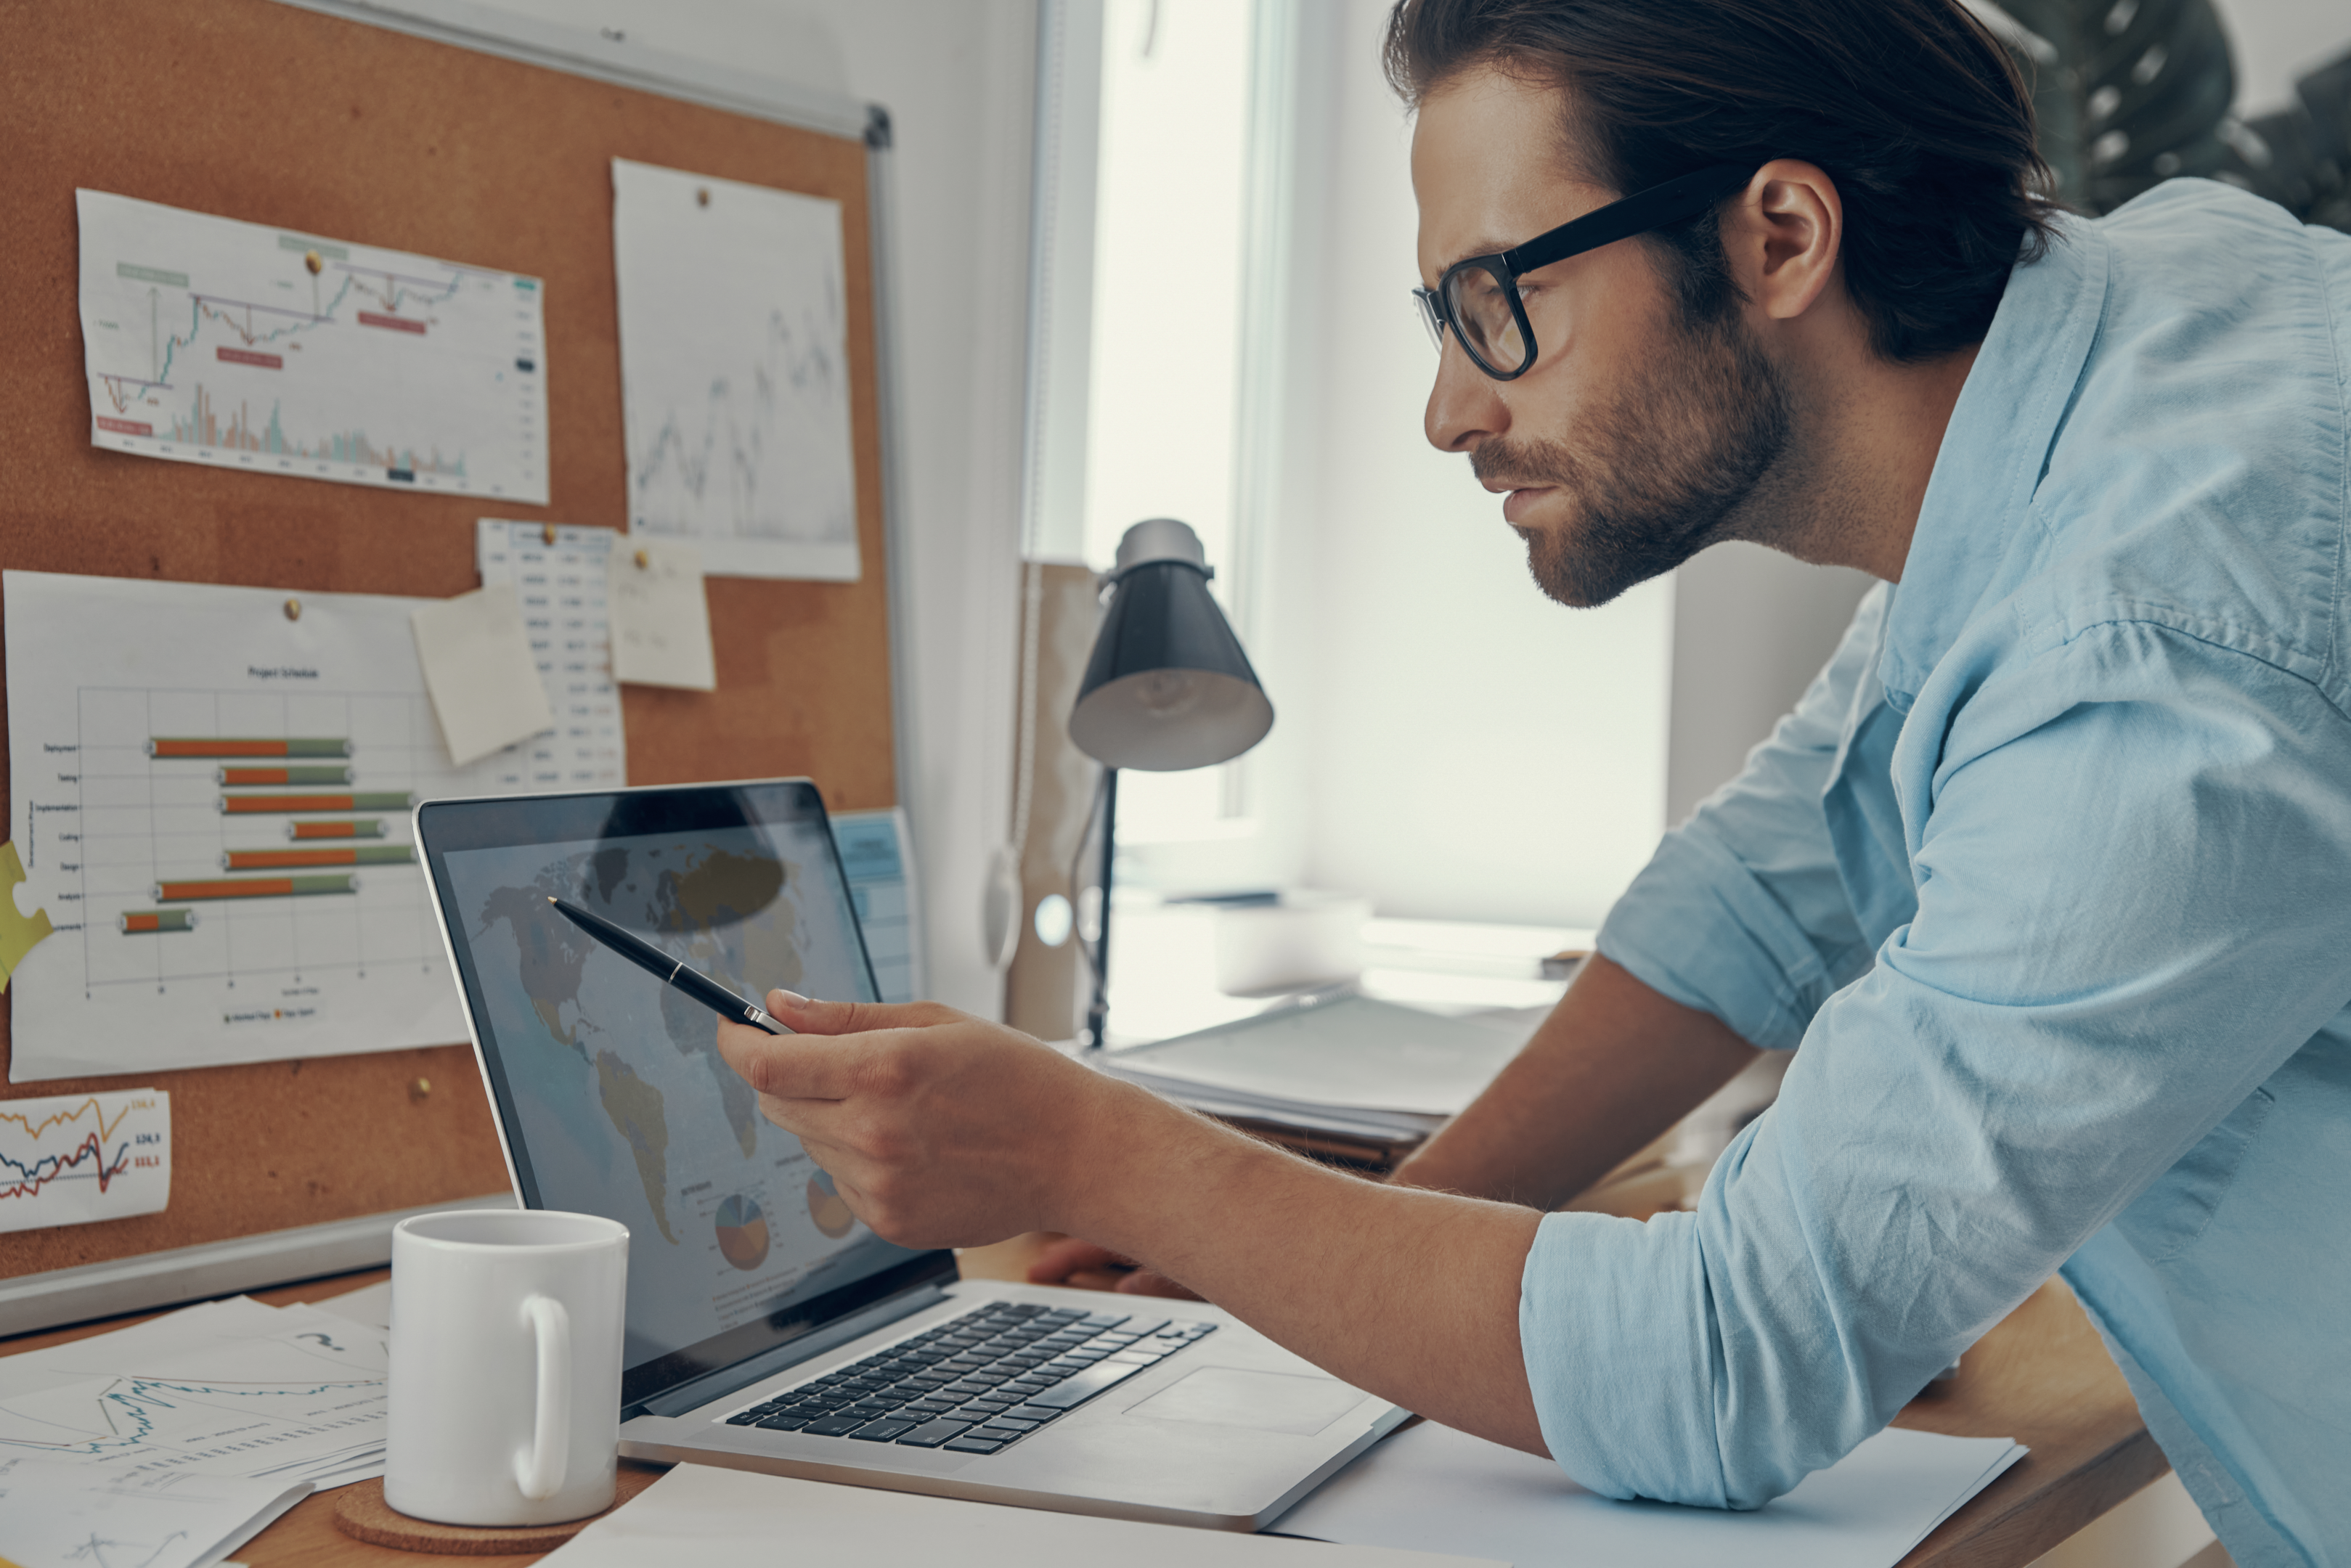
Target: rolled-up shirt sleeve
x=2130 y=851
x=1742 y=912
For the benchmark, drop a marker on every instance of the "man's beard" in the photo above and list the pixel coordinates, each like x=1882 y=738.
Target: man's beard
x=1655 y=476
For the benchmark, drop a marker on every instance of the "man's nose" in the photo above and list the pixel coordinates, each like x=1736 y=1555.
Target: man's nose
x=1465 y=405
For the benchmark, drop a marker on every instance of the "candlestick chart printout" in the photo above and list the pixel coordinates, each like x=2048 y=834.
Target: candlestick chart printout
x=212 y=791
x=70 y=1159
x=243 y=346
x=735 y=371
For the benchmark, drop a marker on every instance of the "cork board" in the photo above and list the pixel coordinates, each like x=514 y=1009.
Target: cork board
x=263 y=113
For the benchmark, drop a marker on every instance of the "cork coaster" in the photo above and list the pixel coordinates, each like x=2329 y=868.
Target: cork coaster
x=361 y=1513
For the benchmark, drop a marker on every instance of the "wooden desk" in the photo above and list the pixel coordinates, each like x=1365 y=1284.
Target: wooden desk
x=2040 y=1377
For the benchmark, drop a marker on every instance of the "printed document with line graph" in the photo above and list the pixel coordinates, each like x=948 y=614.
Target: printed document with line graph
x=247 y=347
x=70 y=1159
x=734 y=373
x=213 y=797
x=227 y=1388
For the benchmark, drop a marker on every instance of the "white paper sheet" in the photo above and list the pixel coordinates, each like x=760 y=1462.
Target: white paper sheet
x=1351 y=1051
x=55 y=1515
x=661 y=615
x=730 y=1518
x=1429 y=1486
x=204 y=915
x=879 y=859
x=561 y=585
x=247 y=347
x=70 y=1159
x=370 y=1304
x=229 y=1388
x=480 y=672
x=735 y=371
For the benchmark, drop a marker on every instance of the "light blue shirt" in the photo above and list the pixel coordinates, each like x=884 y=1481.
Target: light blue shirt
x=2049 y=876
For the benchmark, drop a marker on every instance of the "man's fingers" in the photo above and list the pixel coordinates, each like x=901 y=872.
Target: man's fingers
x=808 y=1017
x=1150 y=1282
x=1071 y=1256
x=792 y=1067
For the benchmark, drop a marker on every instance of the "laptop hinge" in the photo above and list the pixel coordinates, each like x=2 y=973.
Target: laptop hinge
x=718 y=1384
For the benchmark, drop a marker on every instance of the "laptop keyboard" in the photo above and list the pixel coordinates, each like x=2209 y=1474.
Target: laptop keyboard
x=977 y=1383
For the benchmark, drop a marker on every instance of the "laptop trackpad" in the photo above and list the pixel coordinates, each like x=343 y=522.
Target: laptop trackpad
x=1265 y=1401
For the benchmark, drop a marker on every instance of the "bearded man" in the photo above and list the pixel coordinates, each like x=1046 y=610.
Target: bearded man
x=2049 y=873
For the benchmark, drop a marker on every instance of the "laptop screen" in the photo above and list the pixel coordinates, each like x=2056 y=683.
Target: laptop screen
x=611 y=1095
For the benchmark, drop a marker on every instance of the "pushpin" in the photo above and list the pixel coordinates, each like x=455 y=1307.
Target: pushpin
x=701 y=197
x=420 y=1089
x=292 y=610
x=644 y=559
x=314 y=261
x=547 y=533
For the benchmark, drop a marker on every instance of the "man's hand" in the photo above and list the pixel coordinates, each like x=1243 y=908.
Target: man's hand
x=940 y=1129
x=1071 y=1261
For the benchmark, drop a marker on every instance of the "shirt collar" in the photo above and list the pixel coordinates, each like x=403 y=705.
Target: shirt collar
x=1969 y=540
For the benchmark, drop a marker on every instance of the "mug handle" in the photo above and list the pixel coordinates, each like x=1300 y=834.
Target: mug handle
x=538 y=1469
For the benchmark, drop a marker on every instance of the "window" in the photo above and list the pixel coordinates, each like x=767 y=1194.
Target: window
x=1169 y=218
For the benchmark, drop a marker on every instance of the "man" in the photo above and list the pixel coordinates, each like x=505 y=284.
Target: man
x=2049 y=873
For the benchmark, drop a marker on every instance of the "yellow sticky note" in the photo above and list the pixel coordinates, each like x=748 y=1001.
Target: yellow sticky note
x=20 y=934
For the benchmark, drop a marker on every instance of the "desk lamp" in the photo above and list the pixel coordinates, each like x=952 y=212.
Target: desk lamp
x=1166 y=689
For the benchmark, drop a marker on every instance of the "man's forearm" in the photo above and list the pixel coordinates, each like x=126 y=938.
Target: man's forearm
x=1615 y=1065
x=1411 y=1295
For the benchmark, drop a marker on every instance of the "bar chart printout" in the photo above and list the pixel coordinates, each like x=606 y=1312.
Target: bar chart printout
x=215 y=798
x=242 y=346
x=70 y=1159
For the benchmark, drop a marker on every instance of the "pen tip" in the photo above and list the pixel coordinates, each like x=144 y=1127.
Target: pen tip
x=550 y=898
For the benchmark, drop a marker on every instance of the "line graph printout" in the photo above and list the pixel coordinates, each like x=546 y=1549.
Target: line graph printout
x=734 y=373
x=228 y=1388
x=243 y=346
x=212 y=796
x=69 y=1159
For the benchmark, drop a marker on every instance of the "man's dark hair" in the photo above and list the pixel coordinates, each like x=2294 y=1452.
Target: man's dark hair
x=1910 y=106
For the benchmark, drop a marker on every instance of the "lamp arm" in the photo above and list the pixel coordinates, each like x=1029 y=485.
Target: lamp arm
x=1096 y=952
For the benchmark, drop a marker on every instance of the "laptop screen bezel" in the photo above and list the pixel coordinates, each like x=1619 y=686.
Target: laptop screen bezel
x=509 y=821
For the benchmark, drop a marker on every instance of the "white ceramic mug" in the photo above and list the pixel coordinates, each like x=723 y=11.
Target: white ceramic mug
x=506 y=1366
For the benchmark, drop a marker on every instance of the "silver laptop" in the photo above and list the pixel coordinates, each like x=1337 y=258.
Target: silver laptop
x=767 y=1329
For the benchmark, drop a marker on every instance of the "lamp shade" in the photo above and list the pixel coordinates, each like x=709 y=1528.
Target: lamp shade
x=1167 y=687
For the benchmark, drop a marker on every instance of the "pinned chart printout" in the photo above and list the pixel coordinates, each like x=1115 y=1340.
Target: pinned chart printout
x=213 y=790
x=70 y=1159
x=560 y=582
x=735 y=371
x=879 y=862
x=210 y=341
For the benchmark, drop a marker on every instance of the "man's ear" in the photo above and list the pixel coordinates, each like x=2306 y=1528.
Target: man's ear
x=1783 y=235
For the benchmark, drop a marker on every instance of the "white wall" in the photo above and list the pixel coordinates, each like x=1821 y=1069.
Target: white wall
x=1476 y=751
x=2274 y=41
x=956 y=78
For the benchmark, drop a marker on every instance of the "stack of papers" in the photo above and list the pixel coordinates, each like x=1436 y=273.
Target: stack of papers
x=1431 y=1486
x=730 y=1518
x=1342 y=1063
x=229 y=1390
x=53 y=1513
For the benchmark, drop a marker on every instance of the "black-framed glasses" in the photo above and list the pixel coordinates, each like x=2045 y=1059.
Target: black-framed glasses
x=1479 y=298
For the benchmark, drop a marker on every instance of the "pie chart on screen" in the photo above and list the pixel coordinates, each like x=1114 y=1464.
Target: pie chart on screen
x=742 y=1232
x=828 y=1208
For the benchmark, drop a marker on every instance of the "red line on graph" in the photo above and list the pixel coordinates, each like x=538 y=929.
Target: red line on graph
x=31 y=1186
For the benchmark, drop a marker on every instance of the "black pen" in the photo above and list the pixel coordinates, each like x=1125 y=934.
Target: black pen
x=668 y=970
